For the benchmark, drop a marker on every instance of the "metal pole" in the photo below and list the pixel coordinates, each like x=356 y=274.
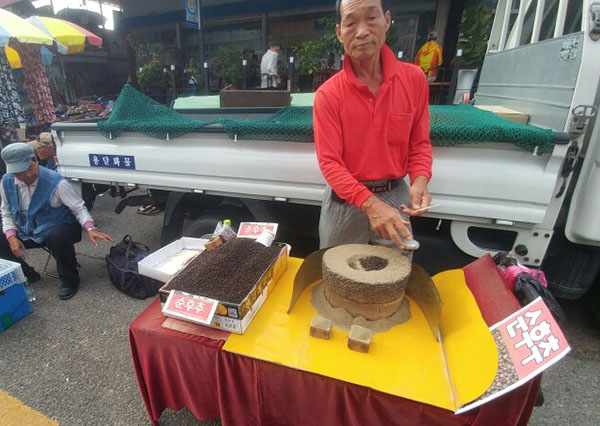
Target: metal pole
x=205 y=76
x=201 y=48
x=290 y=74
x=173 y=82
x=452 y=89
x=244 y=66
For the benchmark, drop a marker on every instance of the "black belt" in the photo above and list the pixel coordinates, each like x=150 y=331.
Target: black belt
x=375 y=188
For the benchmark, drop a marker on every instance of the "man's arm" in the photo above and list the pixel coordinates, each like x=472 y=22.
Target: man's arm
x=10 y=230
x=329 y=146
x=8 y=225
x=419 y=152
x=67 y=196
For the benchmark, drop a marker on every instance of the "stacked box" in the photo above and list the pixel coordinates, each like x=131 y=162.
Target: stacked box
x=14 y=304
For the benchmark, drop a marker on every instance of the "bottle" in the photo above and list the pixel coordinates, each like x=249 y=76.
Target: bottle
x=266 y=238
x=225 y=231
x=29 y=290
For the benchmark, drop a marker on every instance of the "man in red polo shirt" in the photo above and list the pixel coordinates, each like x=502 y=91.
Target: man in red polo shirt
x=371 y=124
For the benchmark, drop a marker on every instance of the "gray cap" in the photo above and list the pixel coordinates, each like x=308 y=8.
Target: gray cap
x=17 y=157
x=433 y=35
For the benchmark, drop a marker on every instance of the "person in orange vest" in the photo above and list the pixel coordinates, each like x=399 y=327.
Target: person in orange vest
x=429 y=57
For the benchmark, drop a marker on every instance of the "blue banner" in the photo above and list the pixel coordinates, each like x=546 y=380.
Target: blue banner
x=112 y=161
x=192 y=14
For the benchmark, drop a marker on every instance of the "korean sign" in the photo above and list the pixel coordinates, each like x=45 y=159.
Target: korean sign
x=192 y=14
x=112 y=161
x=254 y=229
x=529 y=341
x=190 y=307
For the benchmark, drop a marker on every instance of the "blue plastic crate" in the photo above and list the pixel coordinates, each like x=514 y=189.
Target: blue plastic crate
x=14 y=304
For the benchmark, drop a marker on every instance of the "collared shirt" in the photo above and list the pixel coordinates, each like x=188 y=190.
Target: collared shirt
x=363 y=137
x=64 y=195
x=268 y=66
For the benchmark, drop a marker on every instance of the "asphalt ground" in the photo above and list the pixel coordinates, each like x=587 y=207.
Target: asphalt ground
x=70 y=360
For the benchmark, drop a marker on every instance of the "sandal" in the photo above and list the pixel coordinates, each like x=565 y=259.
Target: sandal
x=149 y=210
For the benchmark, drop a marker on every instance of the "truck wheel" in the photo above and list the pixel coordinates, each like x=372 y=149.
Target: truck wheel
x=570 y=268
x=206 y=224
x=202 y=227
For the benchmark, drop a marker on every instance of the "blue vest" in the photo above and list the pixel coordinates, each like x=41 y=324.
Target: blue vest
x=40 y=216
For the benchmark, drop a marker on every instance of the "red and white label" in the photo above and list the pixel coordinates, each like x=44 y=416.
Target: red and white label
x=533 y=338
x=254 y=229
x=190 y=307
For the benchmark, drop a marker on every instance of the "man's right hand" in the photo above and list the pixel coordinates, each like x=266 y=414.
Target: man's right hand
x=386 y=220
x=17 y=247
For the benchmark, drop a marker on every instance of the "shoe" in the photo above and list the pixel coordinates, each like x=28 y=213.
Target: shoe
x=33 y=275
x=67 y=290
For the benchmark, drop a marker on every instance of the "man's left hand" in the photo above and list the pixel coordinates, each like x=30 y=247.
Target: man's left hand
x=95 y=235
x=419 y=197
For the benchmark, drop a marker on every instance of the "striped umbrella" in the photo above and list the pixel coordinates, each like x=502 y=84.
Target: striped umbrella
x=67 y=33
x=15 y=60
x=13 y=26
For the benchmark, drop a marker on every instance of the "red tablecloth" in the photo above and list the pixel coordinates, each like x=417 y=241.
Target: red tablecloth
x=177 y=370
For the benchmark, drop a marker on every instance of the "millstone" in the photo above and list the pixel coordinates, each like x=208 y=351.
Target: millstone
x=367 y=281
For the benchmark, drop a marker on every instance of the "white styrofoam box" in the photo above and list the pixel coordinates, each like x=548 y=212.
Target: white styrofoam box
x=148 y=265
x=10 y=273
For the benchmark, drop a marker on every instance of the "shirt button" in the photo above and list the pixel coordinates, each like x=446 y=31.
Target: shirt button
x=370 y=99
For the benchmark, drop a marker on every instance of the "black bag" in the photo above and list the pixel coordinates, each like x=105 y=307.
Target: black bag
x=122 y=263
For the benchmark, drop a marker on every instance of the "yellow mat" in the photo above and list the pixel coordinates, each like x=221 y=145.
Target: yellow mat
x=404 y=361
x=14 y=413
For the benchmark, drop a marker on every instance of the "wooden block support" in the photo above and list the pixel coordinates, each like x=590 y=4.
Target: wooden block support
x=321 y=328
x=359 y=338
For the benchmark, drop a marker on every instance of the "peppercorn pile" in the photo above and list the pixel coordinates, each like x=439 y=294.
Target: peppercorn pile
x=227 y=273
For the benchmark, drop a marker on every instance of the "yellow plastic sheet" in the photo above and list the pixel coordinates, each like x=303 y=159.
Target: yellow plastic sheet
x=405 y=361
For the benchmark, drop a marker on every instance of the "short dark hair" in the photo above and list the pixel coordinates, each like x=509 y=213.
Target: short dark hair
x=385 y=6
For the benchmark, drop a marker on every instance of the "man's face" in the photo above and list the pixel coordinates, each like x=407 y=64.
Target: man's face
x=363 y=28
x=45 y=152
x=31 y=174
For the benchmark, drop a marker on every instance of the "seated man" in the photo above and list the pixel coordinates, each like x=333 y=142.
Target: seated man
x=44 y=150
x=40 y=209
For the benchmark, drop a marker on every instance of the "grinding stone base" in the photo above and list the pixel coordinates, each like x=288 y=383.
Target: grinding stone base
x=369 y=311
x=342 y=319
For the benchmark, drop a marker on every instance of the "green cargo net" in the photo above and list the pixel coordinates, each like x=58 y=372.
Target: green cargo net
x=450 y=124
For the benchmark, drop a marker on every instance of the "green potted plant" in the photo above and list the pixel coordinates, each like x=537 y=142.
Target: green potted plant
x=148 y=75
x=308 y=61
x=227 y=66
x=473 y=40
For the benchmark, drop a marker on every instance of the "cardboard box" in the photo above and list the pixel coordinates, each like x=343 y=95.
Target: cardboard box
x=14 y=304
x=509 y=114
x=237 y=317
x=148 y=266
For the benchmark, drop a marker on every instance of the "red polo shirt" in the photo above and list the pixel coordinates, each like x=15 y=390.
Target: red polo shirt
x=362 y=137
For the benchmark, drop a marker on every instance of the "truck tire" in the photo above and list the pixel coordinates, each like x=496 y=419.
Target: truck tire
x=570 y=268
x=206 y=224
x=201 y=227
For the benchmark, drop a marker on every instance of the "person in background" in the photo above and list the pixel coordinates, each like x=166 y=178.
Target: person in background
x=429 y=56
x=40 y=209
x=44 y=149
x=268 y=67
x=371 y=126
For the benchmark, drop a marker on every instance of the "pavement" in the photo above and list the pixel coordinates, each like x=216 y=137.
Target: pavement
x=70 y=360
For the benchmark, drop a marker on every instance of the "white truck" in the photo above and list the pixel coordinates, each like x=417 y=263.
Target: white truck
x=542 y=61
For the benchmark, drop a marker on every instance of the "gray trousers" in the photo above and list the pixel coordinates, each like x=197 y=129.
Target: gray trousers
x=343 y=223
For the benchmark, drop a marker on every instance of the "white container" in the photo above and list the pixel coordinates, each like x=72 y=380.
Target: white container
x=149 y=266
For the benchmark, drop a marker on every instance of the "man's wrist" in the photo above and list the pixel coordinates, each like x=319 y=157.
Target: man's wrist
x=90 y=228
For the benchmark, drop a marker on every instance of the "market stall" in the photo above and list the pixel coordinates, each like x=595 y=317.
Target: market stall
x=177 y=369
